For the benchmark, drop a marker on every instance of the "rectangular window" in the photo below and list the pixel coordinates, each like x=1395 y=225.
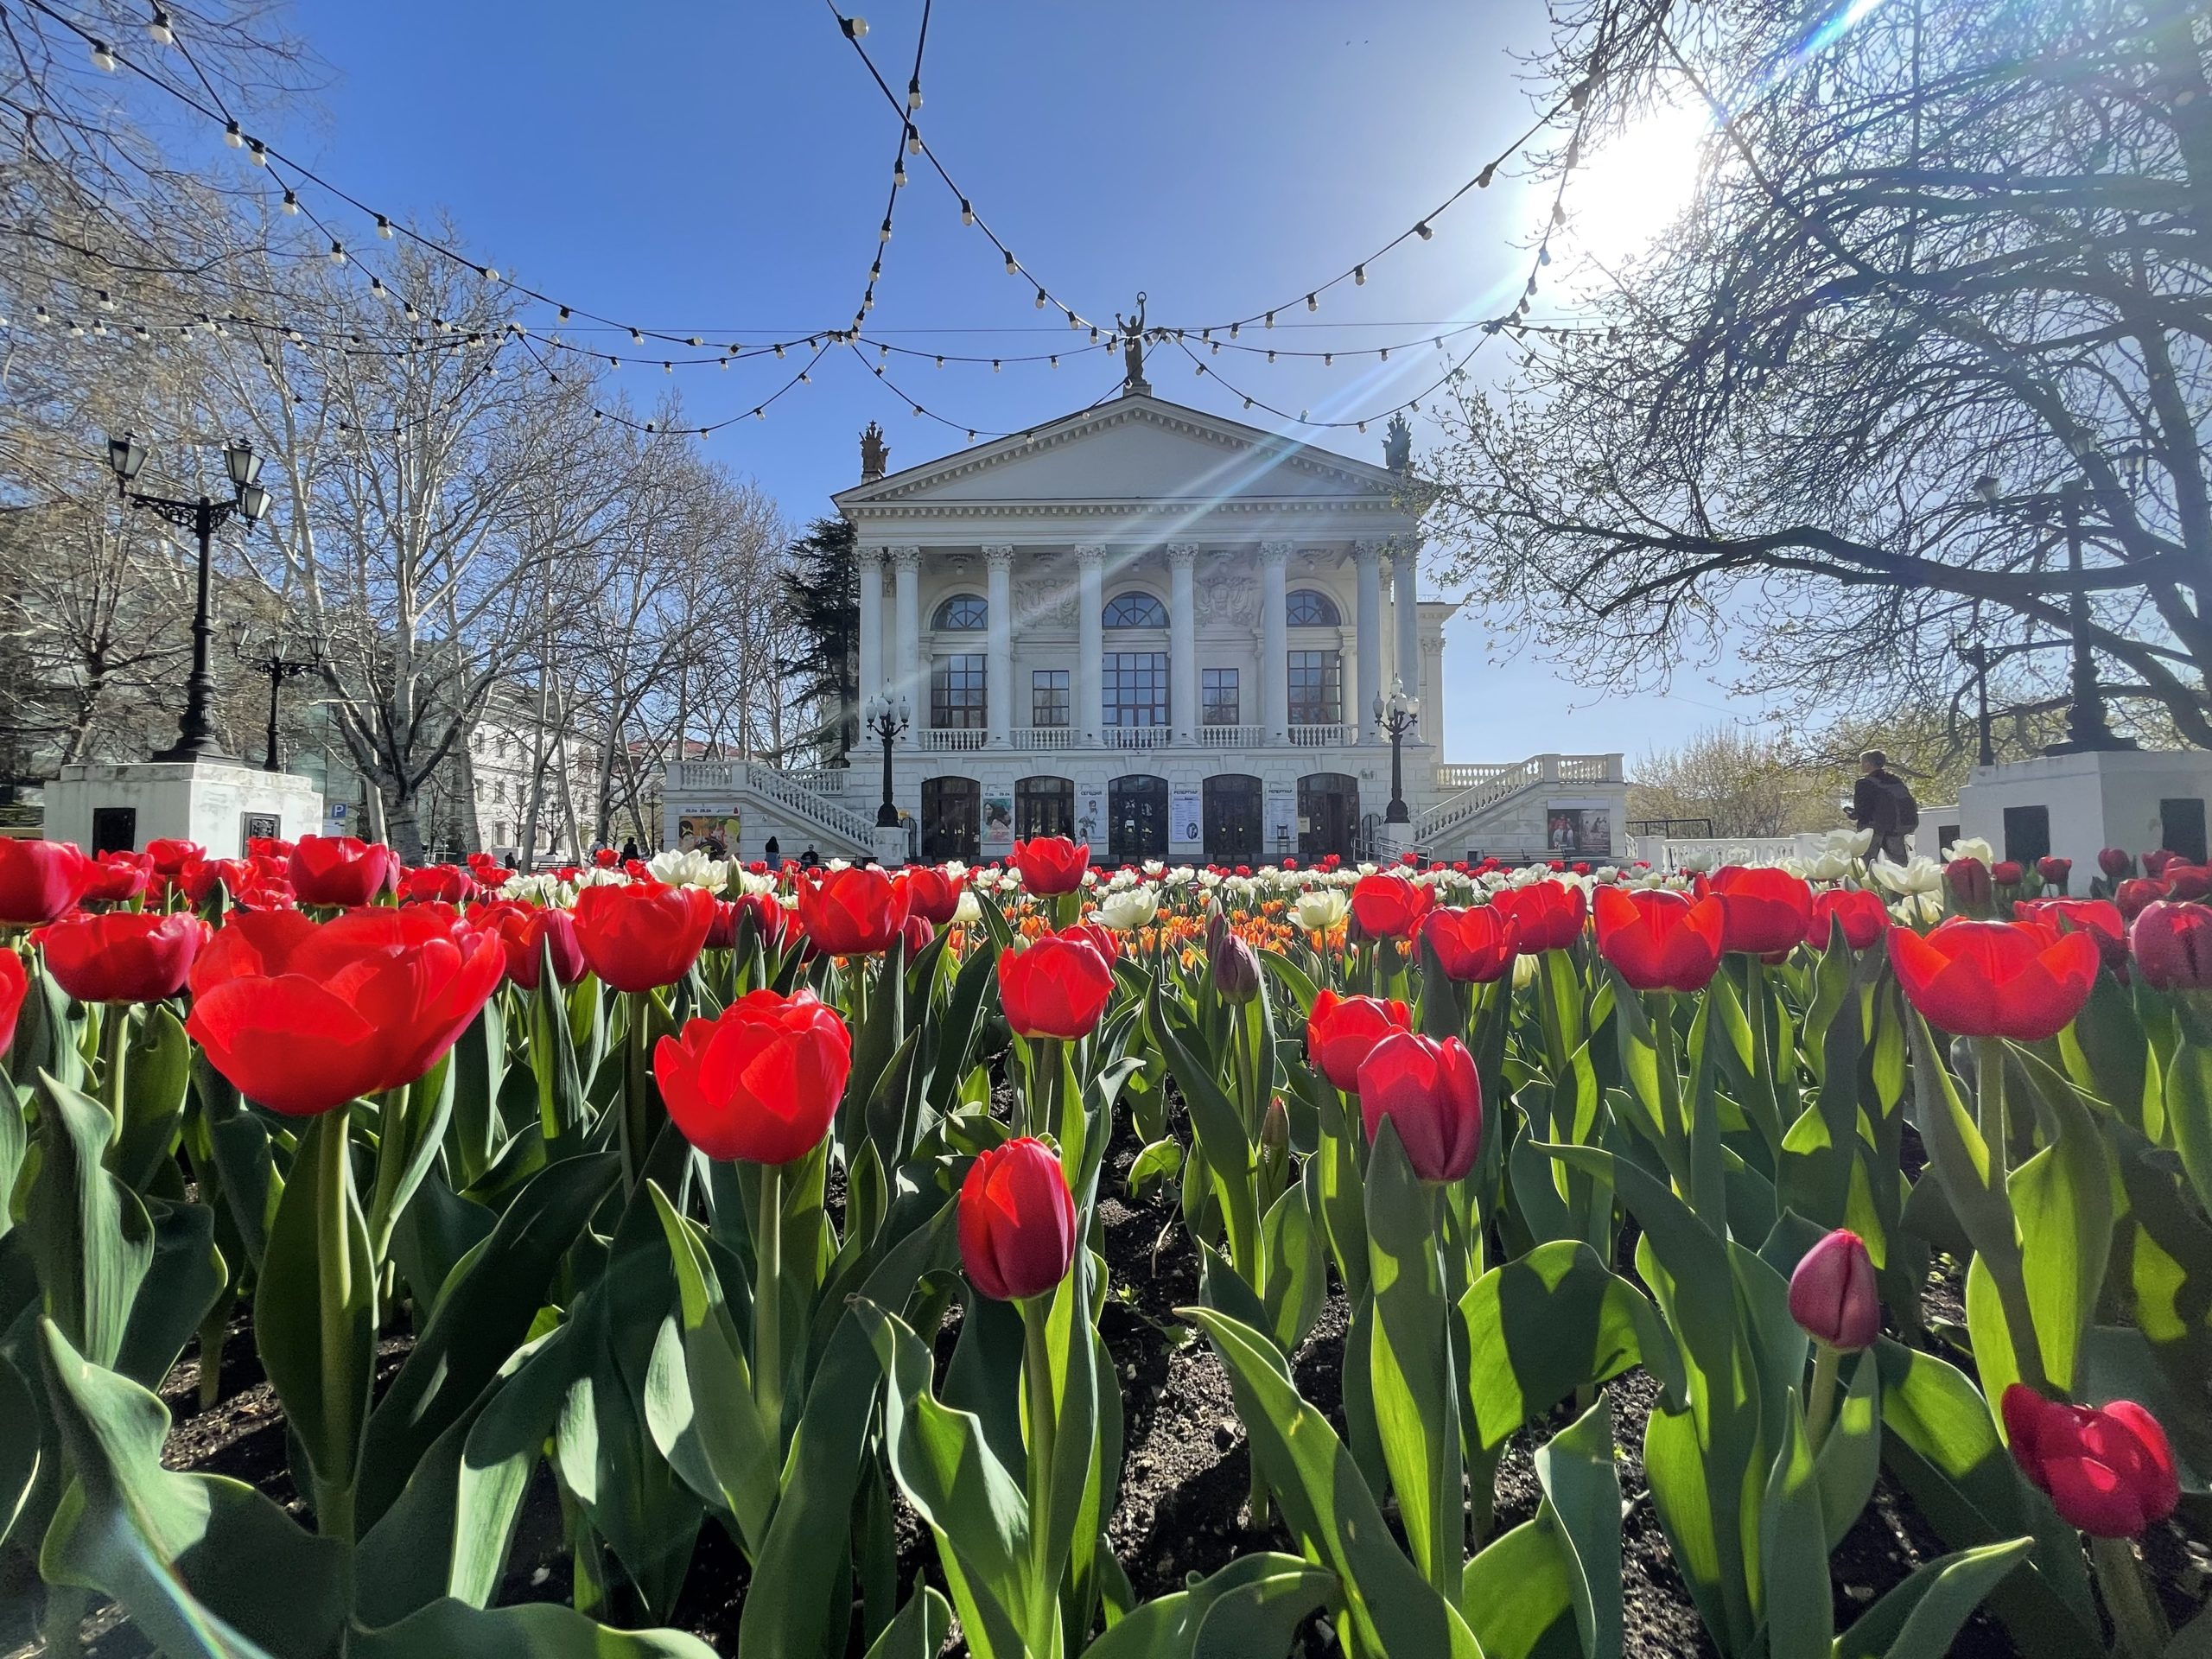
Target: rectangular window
x=956 y=693
x=1218 y=696
x=1137 y=688
x=1048 y=696
x=1317 y=690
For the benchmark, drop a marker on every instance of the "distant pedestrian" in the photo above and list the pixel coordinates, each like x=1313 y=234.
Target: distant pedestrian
x=810 y=859
x=629 y=849
x=1880 y=801
x=773 y=854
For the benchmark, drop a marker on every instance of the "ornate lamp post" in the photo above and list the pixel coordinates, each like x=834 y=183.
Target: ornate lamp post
x=1975 y=654
x=196 y=739
x=1395 y=716
x=277 y=668
x=886 y=718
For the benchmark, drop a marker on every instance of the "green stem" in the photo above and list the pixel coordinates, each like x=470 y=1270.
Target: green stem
x=1820 y=1405
x=1677 y=1132
x=768 y=1302
x=2005 y=1272
x=637 y=1085
x=332 y=1174
x=1447 y=1537
x=394 y=1130
x=1037 y=1379
x=2136 y=1619
x=115 y=1047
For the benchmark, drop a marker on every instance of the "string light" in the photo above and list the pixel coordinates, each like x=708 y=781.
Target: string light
x=101 y=58
x=158 y=28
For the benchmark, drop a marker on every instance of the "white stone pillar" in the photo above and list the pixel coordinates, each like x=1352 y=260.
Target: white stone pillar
x=1274 y=639
x=871 y=668
x=906 y=565
x=998 y=669
x=1091 y=652
x=1405 y=612
x=1369 y=558
x=1182 y=641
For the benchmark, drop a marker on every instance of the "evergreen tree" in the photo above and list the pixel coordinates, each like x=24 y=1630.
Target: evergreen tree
x=822 y=588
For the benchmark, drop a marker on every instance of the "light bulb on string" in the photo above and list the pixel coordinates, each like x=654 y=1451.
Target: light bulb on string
x=1384 y=354
x=1074 y=322
x=914 y=94
x=563 y=316
x=1359 y=275
x=384 y=230
x=158 y=28
x=104 y=299
x=291 y=203
x=1312 y=303
x=884 y=235
x=231 y=136
x=1328 y=360
x=101 y=58
x=779 y=351
x=1053 y=361
x=337 y=253
x=940 y=362
x=256 y=152
x=637 y=337
x=1422 y=231
x=1271 y=318
x=855 y=28
x=913 y=139
x=1233 y=328
x=967 y=212
x=804 y=378
x=489 y=273
x=899 y=176
x=1040 y=299
x=994 y=365
x=1012 y=268
x=1271 y=357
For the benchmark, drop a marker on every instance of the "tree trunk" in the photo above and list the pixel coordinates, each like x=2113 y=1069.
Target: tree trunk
x=402 y=828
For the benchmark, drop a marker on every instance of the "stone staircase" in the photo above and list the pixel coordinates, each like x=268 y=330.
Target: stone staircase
x=814 y=798
x=1481 y=796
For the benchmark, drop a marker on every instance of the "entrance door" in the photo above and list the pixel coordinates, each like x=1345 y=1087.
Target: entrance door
x=1232 y=819
x=1044 y=806
x=1136 y=818
x=1328 y=815
x=115 y=830
x=952 y=819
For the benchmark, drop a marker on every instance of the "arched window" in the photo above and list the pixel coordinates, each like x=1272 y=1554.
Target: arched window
x=1137 y=610
x=962 y=614
x=1309 y=607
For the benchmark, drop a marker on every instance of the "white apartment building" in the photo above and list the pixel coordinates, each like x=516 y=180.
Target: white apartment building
x=1161 y=631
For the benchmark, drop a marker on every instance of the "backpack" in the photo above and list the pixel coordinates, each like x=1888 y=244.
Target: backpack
x=1907 y=809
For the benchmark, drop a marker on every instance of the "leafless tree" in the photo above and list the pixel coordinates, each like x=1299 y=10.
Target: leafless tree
x=1944 y=263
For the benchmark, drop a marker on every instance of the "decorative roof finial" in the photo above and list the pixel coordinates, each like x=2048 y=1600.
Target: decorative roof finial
x=875 y=454
x=1133 y=349
x=1398 y=445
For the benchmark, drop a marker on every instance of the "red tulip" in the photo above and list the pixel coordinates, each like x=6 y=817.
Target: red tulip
x=1051 y=864
x=14 y=983
x=1108 y=941
x=445 y=883
x=2008 y=873
x=171 y=853
x=643 y=936
x=2138 y=890
x=931 y=894
x=2156 y=863
x=116 y=878
x=2173 y=946
x=39 y=879
x=1661 y=940
x=1474 y=945
x=855 y=912
x=1342 y=1031
x=2054 y=872
x=916 y=934
x=2186 y=880
x=2114 y=862
x=2022 y=980
x=1864 y=916
x=1763 y=912
x=1058 y=987
x=2099 y=918
x=1432 y=1095
x=1969 y=881
x=124 y=955
x=1831 y=1294
x=341 y=869
x=1548 y=915
x=777 y=924
x=1389 y=906
x=1017 y=1221
x=525 y=933
x=761 y=1084
x=2109 y=1470
x=203 y=878
x=303 y=1017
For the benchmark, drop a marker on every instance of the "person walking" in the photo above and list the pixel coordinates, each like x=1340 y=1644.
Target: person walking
x=773 y=854
x=1880 y=801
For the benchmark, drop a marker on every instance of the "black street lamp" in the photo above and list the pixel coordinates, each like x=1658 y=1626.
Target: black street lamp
x=886 y=718
x=277 y=668
x=1396 y=714
x=196 y=739
x=1976 y=652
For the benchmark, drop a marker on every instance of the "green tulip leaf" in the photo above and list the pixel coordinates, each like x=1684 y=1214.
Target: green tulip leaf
x=1248 y=1609
x=1220 y=1131
x=1518 y=1594
x=185 y=1276
x=1153 y=1168
x=1390 y=1606
x=1555 y=1321
x=91 y=1240
x=1920 y=1617
x=918 y=1630
x=454 y=1629
x=479 y=1323
x=206 y=1568
x=1582 y=1493
x=21 y=1452
x=1793 y=1550
x=1298 y=1270
x=501 y=1451
x=2062 y=1197
x=156 y=1080
x=1850 y=1460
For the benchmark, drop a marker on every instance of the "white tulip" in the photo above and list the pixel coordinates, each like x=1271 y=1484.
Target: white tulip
x=1972 y=847
x=1921 y=876
x=694 y=869
x=969 y=911
x=1128 y=908
x=753 y=885
x=1321 y=909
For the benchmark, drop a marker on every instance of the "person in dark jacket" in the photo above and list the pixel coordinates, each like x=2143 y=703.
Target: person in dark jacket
x=1880 y=801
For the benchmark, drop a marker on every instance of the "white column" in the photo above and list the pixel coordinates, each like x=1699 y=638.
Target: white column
x=1369 y=557
x=906 y=565
x=1275 y=640
x=1182 y=641
x=998 y=669
x=1091 y=652
x=1405 y=607
x=871 y=670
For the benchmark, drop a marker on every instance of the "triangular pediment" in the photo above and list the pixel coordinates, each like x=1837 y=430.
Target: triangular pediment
x=1136 y=448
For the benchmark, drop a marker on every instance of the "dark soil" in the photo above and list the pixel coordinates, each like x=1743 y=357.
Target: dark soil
x=1183 y=1508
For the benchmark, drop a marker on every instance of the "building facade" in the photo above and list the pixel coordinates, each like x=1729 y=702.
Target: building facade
x=1157 y=630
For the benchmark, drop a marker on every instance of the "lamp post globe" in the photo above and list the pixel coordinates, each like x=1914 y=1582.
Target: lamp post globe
x=887 y=718
x=1395 y=716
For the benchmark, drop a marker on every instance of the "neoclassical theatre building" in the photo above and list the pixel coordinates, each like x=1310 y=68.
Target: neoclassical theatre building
x=1162 y=632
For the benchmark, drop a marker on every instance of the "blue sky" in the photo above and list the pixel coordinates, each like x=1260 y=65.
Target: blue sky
x=721 y=169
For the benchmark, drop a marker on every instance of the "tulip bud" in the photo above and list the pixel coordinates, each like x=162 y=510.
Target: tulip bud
x=2114 y=862
x=2187 y=880
x=2172 y=944
x=2134 y=893
x=1016 y=1221
x=2054 y=872
x=1274 y=1142
x=2008 y=873
x=1235 y=969
x=1831 y=1294
x=2155 y=863
x=1969 y=881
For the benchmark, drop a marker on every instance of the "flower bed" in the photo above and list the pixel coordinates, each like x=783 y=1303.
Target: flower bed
x=1428 y=1260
